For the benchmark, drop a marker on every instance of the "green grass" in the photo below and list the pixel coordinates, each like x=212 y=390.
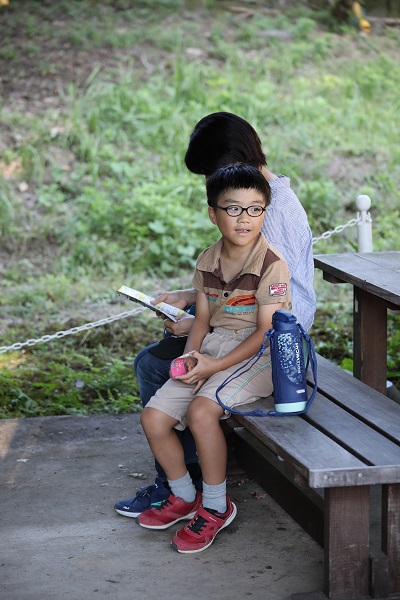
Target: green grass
x=94 y=192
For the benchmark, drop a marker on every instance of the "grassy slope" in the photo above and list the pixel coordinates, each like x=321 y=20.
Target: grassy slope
x=93 y=193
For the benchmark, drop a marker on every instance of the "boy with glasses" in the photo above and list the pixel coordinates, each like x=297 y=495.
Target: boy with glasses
x=240 y=282
x=219 y=139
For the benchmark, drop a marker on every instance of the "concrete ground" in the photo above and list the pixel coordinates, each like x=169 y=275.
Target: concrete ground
x=61 y=538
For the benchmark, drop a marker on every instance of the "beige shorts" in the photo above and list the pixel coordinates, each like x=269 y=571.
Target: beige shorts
x=174 y=397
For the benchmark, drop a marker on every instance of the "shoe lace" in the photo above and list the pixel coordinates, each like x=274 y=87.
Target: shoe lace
x=198 y=524
x=146 y=491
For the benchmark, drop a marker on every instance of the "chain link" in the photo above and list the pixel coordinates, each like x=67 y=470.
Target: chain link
x=338 y=229
x=135 y=311
x=61 y=334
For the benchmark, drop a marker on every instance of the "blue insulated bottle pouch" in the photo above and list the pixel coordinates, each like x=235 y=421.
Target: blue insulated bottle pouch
x=288 y=364
x=292 y=351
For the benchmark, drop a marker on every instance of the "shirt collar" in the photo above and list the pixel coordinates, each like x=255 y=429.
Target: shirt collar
x=210 y=260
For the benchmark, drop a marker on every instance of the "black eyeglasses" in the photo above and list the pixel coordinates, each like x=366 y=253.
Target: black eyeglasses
x=236 y=211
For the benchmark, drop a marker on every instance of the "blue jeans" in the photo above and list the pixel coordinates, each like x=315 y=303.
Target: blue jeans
x=152 y=372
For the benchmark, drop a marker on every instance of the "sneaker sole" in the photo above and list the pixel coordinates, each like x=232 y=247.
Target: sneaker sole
x=228 y=522
x=130 y=513
x=165 y=526
x=127 y=514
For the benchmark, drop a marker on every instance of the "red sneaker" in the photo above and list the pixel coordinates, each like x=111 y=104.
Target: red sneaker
x=200 y=533
x=170 y=511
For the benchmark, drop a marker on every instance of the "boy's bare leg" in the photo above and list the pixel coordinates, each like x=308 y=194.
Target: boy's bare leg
x=163 y=441
x=167 y=449
x=203 y=417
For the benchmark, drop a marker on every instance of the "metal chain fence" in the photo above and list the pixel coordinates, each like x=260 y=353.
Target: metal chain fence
x=61 y=334
x=338 y=229
x=135 y=311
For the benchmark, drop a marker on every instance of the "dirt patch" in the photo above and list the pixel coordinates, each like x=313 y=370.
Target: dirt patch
x=38 y=62
x=36 y=69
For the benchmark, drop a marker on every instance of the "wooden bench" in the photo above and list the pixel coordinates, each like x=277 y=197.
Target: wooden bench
x=321 y=468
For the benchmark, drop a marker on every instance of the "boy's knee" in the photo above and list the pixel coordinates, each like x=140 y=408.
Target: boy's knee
x=149 y=420
x=201 y=414
x=154 y=422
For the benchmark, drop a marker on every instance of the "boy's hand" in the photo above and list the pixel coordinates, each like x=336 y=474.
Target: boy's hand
x=203 y=369
x=190 y=363
x=182 y=365
x=181 y=327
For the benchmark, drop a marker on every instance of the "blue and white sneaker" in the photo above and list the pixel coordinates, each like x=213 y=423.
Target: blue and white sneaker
x=146 y=497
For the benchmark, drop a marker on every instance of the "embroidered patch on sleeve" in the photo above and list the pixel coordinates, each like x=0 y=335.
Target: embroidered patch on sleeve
x=278 y=289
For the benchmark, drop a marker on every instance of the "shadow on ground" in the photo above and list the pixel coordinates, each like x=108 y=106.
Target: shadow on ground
x=62 y=539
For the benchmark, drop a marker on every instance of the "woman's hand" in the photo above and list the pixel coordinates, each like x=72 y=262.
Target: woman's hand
x=179 y=298
x=182 y=325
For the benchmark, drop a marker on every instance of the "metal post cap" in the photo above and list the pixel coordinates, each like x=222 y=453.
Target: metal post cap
x=363 y=202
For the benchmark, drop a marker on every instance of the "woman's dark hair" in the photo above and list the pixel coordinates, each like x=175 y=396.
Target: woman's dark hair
x=238 y=176
x=221 y=139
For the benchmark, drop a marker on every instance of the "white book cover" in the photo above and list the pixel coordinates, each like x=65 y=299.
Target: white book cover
x=166 y=309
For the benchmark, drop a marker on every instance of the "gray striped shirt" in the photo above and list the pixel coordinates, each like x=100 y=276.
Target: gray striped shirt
x=286 y=227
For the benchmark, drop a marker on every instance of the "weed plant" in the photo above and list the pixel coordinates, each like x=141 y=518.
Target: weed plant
x=94 y=192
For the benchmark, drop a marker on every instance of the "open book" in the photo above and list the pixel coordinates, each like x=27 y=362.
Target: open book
x=166 y=309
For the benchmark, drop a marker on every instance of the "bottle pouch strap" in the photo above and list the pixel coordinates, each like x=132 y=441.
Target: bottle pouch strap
x=311 y=361
x=238 y=373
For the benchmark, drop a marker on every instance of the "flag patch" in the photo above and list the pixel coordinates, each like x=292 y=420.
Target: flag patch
x=278 y=289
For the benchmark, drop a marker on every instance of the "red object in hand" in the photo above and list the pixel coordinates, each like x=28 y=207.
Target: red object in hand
x=177 y=367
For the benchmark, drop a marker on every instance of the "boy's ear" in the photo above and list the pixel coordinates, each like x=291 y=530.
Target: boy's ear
x=212 y=215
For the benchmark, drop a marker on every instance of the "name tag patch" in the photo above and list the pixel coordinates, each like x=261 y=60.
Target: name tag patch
x=278 y=289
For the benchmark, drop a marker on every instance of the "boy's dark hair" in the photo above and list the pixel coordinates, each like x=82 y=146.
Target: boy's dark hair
x=236 y=177
x=221 y=139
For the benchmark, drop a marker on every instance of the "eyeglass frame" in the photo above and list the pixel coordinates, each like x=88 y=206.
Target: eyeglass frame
x=226 y=208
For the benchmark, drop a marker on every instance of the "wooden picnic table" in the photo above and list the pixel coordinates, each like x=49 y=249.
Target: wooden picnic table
x=375 y=277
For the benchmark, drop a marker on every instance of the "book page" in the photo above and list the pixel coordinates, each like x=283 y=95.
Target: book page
x=166 y=309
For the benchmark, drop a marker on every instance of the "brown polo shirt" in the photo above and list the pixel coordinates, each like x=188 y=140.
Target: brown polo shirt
x=264 y=279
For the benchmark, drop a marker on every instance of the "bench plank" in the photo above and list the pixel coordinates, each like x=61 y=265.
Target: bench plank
x=379 y=411
x=299 y=443
x=358 y=437
x=355 y=477
x=322 y=461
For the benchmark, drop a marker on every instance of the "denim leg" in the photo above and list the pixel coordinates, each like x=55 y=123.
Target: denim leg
x=152 y=372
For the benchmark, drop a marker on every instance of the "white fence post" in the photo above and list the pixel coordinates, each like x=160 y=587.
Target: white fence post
x=364 y=226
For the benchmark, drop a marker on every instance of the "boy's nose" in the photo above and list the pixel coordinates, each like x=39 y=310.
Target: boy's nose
x=243 y=218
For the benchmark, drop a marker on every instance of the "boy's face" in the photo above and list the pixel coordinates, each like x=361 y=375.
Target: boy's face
x=243 y=229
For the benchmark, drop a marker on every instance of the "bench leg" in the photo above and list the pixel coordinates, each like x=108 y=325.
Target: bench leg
x=370 y=323
x=346 y=564
x=391 y=534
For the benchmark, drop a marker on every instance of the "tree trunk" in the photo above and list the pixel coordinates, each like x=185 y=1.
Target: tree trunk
x=342 y=10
